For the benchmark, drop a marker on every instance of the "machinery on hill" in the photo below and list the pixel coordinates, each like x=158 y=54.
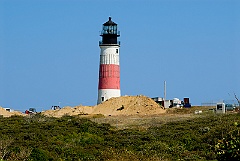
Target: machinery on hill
x=224 y=107
x=174 y=103
x=31 y=111
x=237 y=99
x=56 y=108
x=186 y=103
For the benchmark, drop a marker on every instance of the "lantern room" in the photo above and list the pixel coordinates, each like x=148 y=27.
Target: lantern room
x=109 y=33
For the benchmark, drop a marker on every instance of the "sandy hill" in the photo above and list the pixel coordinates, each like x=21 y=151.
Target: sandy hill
x=125 y=105
x=128 y=105
x=71 y=111
x=5 y=113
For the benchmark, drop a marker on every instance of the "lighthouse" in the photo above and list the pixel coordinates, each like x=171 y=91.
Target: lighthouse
x=109 y=69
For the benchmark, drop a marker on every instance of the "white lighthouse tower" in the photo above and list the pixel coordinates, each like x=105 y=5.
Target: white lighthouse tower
x=109 y=70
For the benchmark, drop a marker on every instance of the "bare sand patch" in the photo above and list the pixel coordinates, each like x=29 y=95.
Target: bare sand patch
x=71 y=111
x=124 y=105
x=5 y=113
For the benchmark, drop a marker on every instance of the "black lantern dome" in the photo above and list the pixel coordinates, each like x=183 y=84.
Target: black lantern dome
x=109 y=33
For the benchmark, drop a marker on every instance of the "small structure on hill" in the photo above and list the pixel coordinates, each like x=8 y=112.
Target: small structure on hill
x=175 y=102
x=222 y=107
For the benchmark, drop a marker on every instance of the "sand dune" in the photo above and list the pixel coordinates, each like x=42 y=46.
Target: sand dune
x=125 y=105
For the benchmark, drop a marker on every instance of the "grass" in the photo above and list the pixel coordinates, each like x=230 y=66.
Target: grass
x=144 y=122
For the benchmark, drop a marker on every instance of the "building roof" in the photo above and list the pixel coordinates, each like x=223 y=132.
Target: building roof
x=109 y=22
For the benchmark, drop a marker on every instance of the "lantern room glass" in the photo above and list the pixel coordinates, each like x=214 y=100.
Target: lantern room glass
x=112 y=29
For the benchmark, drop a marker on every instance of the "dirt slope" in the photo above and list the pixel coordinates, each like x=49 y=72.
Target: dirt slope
x=125 y=105
x=71 y=111
x=128 y=105
x=5 y=113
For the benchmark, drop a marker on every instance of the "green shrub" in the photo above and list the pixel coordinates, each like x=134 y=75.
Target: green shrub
x=39 y=155
x=75 y=138
x=228 y=148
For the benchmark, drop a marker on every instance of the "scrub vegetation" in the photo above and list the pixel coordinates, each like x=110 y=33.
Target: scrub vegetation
x=40 y=138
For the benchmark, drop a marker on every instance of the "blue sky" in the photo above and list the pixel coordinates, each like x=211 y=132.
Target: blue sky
x=49 y=53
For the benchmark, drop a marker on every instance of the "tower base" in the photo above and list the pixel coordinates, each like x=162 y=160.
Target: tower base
x=104 y=94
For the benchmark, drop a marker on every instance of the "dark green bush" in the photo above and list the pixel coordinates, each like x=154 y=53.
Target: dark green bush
x=39 y=155
x=228 y=148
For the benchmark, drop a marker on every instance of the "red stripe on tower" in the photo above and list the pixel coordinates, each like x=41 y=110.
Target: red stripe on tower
x=109 y=76
x=109 y=70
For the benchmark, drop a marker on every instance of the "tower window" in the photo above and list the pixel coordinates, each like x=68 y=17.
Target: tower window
x=116 y=50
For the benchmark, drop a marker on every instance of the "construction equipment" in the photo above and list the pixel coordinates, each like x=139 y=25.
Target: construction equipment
x=237 y=99
x=56 y=108
x=186 y=103
x=224 y=107
x=31 y=111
